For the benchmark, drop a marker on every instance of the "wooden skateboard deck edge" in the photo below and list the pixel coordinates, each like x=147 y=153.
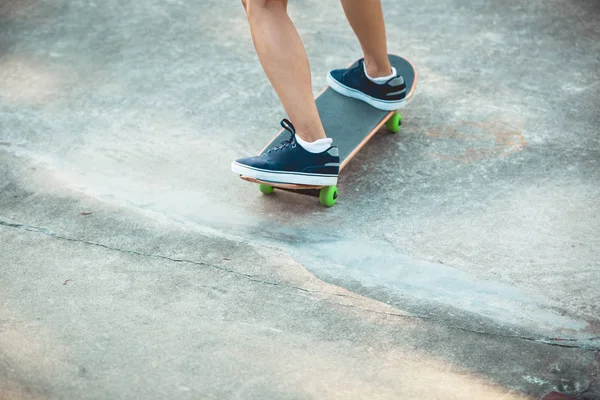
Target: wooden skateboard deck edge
x=366 y=139
x=290 y=186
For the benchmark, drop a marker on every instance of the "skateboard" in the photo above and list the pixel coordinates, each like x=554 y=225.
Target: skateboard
x=350 y=123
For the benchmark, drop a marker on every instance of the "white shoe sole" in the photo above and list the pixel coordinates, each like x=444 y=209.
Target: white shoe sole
x=357 y=94
x=297 y=178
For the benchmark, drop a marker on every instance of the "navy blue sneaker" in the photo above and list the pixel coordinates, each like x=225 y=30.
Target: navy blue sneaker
x=353 y=82
x=291 y=163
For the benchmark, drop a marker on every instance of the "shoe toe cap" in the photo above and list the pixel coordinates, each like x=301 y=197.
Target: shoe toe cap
x=337 y=74
x=254 y=162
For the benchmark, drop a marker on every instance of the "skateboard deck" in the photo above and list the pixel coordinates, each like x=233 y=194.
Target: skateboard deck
x=350 y=123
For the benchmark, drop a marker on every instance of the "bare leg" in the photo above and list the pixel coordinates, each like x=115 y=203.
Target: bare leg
x=366 y=19
x=284 y=60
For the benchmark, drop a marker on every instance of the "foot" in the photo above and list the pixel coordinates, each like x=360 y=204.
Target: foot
x=386 y=94
x=291 y=163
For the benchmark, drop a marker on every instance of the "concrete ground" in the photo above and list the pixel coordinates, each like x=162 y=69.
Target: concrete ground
x=461 y=261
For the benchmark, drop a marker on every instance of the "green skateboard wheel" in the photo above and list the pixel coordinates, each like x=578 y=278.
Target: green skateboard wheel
x=393 y=124
x=266 y=189
x=328 y=195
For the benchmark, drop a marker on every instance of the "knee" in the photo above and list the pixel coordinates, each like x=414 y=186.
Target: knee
x=255 y=5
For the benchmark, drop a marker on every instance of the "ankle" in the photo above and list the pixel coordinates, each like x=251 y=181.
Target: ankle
x=377 y=70
x=310 y=132
x=309 y=138
x=316 y=146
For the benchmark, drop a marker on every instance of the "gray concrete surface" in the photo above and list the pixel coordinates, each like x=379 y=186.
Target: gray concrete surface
x=461 y=260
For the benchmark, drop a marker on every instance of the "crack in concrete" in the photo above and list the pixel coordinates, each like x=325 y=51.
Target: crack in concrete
x=252 y=278
x=547 y=341
x=558 y=342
